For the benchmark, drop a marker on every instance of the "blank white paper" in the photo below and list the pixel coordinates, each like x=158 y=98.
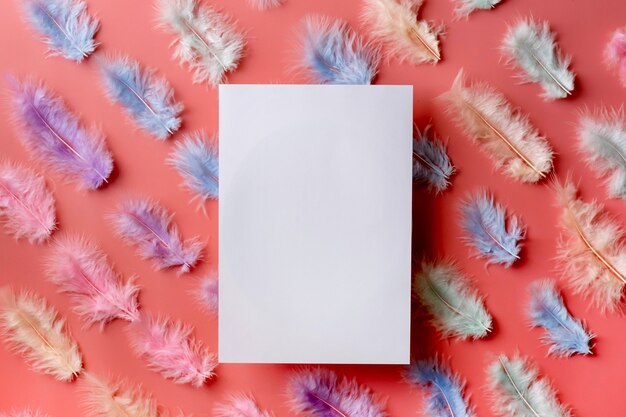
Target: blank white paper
x=315 y=223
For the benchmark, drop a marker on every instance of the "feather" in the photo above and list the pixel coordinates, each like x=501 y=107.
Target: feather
x=565 y=334
x=206 y=40
x=265 y=4
x=603 y=139
x=488 y=229
x=114 y=399
x=170 y=349
x=431 y=163
x=532 y=48
x=591 y=253
x=66 y=27
x=149 y=227
x=23 y=413
x=26 y=204
x=56 y=136
x=444 y=389
x=332 y=53
x=207 y=294
x=457 y=309
x=81 y=269
x=240 y=406
x=615 y=53
x=518 y=391
x=147 y=99
x=465 y=7
x=318 y=392
x=196 y=160
x=395 y=23
x=506 y=135
x=35 y=330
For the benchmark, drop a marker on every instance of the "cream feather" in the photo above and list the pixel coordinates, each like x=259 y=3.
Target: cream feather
x=505 y=134
x=395 y=23
x=591 y=250
x=113 y=399
x=35 y=330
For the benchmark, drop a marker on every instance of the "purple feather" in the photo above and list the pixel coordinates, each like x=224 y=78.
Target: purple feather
x=319 y=393
x=56 y=137
x=148 y=226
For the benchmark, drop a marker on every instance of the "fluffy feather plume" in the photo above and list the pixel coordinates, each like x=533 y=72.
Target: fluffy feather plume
x=395 y=23
x=26 y=204
x=332 y=53
x=169 y=348
x=457 y=309
x=505 y=134
x=56 y=137
x=615 y=54
x=591 y=251
x=66 y=27
x=494 y=235
x=603 y=139
x=465 y=7
x=147 y=99
x=206 y=40
x=518 y=391
x=24 y=413
x=82 y=270
x=318 y=392
x=240 y=406
x=207 y=294
x=532 y=48
x=147 y=225
x=114 y=399
x=265 y=4
x=35 y=330
x=444 y=389
x=196 y=160
x=565 y=334
x=431 y=163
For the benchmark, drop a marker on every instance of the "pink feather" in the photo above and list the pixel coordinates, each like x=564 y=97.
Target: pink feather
x=207 y=294
x=26 y=204
x=240 y=405
x=265 y=4
x=24 y=413
x=170 y=349
x=115 y=399
x=82 y=270
x=615 y=53
x=591 y=251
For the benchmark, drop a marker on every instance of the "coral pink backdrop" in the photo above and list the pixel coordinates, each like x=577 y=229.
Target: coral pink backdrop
x=593 y=386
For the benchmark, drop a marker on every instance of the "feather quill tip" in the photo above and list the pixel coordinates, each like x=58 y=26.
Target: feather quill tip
x=615 y=54
x=431 y=164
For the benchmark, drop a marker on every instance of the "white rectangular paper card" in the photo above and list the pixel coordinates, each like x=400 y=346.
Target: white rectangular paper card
x=315 y=223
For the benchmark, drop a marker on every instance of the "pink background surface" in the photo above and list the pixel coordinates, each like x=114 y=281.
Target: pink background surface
x=592 y=386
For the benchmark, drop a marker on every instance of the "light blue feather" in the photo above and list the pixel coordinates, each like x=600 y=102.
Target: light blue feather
x=148 y=99
x=334 y=54
x=486 y=229
x=431 y=164
x=196 y=159
x=444 y=396
x=565 y=334
x=67 y=28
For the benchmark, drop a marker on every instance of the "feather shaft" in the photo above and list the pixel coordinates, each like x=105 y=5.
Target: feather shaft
x=114 y=399
x=432 y=165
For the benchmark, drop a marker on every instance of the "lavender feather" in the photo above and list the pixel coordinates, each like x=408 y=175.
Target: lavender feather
x=196 y=159
x=147 y=99
x=565 y=334
x=431 y=165
x=56 y=137
x=65 y=25
x=334 y=54
x=148 y=226
x=444 y=395
x=486 y=229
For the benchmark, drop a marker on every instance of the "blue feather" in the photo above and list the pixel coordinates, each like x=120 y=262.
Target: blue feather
x=66 y=26
x=334 y=54
x=196 y=159
x=444 y=397
x=565 y=334
x=485 y=225
x=148 y=99
x=431 y=165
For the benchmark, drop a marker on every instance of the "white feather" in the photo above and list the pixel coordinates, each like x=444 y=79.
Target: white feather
x=465 y=7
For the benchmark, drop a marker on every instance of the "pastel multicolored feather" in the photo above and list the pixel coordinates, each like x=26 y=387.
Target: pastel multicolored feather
x=431 y=163
x=265 y=4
